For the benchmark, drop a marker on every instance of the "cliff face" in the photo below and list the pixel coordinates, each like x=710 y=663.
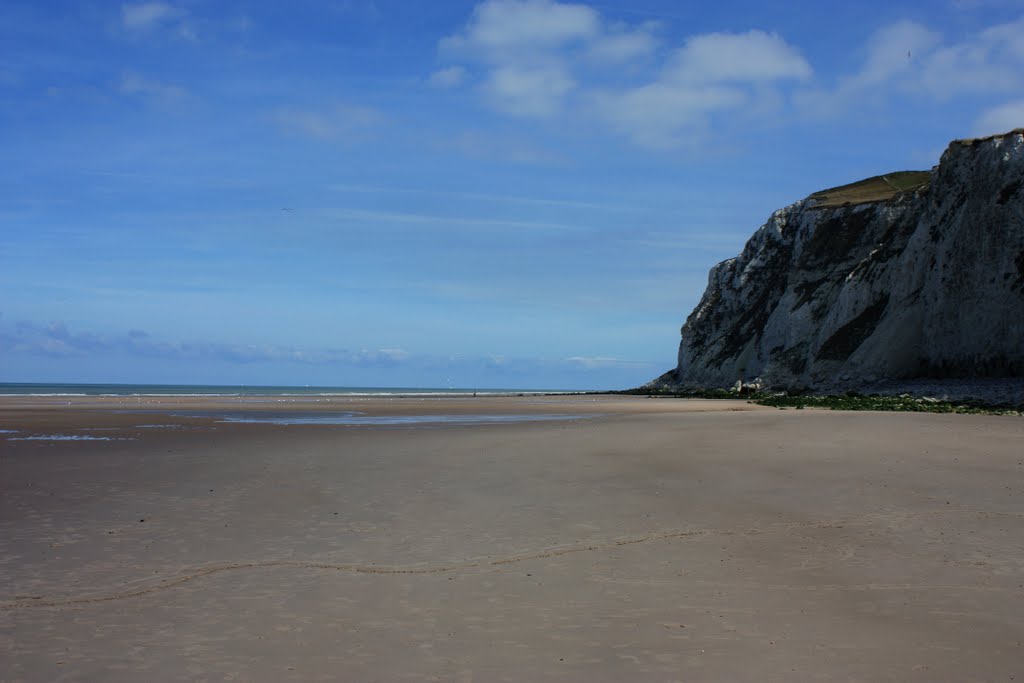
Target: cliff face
x=927 y=282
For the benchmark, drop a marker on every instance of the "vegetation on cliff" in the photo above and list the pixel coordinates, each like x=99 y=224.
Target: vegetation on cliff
x=880 y=188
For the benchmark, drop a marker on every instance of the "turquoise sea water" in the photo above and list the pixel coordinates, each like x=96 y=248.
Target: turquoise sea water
x=32 y=389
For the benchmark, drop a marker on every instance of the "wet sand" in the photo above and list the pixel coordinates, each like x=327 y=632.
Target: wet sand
x=654 y=540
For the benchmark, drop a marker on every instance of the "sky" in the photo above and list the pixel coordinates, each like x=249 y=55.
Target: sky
x=503 y=194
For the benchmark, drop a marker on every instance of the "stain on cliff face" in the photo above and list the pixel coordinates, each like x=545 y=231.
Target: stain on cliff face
x=1008 y=191
x=749 y=327
x=836 y=237
x=850 y=336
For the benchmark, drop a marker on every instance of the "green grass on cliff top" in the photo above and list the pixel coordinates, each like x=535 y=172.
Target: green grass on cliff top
x=877 y=189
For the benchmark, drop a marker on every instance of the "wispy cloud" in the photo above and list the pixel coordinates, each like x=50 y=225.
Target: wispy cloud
x=135 y=84
x=449 y=77
x=509 y=148
x=1001 y=119
x=990 y=61
x=57 y=340
x=148 y=17
x=342 y=121
x=974 y=5
x=512 y=199
x=907 y=58
x=622 y=44
x=528 y=90
x=364 y=215
x=366 y=9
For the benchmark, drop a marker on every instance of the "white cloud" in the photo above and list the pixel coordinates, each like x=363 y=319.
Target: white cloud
x=502 y=148
x=528 y=91
x=134 y=84
x=624 y=46
x=1001 y=119
x=712 y=75
x=523 y=43
x=662 y=115
x=143 y=19
x=148 y=15
x=543 y=58
x=754 y=56
x=345 y=122
x=451 y=77
x=509 y=26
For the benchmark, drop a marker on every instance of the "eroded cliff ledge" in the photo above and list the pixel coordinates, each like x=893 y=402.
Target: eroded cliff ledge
x=912 y=275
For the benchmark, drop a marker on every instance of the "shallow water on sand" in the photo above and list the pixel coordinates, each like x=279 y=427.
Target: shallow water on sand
x=355 y=418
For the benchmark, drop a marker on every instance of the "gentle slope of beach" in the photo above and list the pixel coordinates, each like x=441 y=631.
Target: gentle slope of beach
x=645 y=540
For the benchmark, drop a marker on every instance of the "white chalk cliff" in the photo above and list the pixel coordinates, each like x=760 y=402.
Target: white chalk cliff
x=833 y=296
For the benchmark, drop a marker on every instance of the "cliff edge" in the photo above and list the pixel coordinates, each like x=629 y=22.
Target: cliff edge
x=907 y=276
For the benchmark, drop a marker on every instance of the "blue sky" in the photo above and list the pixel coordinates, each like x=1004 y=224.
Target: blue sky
x=508 y=193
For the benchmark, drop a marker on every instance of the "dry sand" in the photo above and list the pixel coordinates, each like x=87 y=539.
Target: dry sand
x=657 y=540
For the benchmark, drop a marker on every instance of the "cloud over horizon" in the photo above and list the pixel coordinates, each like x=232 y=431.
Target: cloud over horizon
x=55 y=340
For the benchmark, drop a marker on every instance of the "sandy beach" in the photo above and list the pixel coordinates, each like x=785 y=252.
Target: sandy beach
x=622 y=539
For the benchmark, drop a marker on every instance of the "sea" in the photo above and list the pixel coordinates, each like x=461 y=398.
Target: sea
x=39 y=389
x=275 y=394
